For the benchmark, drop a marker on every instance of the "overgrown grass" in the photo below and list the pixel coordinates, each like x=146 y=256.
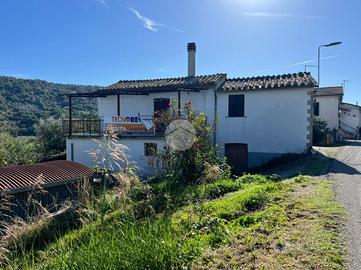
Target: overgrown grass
x=251 y=222
x=300 y=231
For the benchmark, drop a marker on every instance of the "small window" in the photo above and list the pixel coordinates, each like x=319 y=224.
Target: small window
x=161 y=104
x=236 y=106
x=150 y=149
x=316 y=108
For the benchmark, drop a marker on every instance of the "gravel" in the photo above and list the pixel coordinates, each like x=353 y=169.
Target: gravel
x=345 y=169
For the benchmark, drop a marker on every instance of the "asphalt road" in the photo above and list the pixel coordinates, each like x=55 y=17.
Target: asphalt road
x=345 y=168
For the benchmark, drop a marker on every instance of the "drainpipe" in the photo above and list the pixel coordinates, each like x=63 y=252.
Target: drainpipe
x=215 y=119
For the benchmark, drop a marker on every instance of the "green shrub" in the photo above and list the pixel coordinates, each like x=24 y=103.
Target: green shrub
x=50 y=135
x=252 y=178
x=220 y=188
x=18 y=150
x=320 y=130
x=201 y=162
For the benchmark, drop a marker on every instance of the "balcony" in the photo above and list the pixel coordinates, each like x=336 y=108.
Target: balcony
x=143 y=126
x=83 y=127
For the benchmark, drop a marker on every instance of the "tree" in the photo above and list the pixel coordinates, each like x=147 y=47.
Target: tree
x=320 y=130
x=17 y=150
x=199 y=163
x=49 y=133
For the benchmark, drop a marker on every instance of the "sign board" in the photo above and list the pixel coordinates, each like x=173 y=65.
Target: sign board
x=130 y=125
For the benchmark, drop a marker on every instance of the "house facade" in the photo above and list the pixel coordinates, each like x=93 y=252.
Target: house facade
x=350 y=119
x=327 y=105
x=255 y=119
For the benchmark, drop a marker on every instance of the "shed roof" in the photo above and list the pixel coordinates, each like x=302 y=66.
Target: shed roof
x=329 y=91
x=23 y=176
x=295 y=80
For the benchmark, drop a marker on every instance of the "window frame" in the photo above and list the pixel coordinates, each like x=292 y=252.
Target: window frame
x=147 y=151
x=161 y=99
x=236 y=114
x=316 y=104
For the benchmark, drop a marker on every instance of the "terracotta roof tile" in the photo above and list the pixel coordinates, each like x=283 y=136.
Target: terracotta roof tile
x=22 y=176
x=197 y=82
x=295 y=80
x=329 y=91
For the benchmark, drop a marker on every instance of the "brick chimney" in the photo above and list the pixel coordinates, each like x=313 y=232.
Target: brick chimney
x=191 y=48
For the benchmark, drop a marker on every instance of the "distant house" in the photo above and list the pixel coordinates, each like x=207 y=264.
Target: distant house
x=350 y=119
x=327 y=105
x=57 y=179
x=256 y=119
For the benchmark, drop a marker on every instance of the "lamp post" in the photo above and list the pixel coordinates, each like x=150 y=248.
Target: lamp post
x=319 y=55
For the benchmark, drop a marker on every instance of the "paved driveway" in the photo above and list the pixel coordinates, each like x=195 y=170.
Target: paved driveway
x=345 y=168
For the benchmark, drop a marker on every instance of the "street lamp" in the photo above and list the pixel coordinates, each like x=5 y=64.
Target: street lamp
x=318 y=57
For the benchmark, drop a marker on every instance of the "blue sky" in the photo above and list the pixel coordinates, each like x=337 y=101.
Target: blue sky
x=103 y=41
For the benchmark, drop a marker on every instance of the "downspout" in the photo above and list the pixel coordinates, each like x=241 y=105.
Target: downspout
x=216 y=110
x=118 y=104
x=215 y=119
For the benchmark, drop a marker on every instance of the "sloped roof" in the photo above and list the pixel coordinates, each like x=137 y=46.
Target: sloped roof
x=162 y=85
x=345 y=106
x=329 y=91
x=22 y=176
x=295 y=80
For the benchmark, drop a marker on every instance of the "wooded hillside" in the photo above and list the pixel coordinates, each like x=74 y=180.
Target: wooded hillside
x=24 y=102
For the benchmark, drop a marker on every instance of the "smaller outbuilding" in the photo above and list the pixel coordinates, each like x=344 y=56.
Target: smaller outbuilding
x=50 y=184
x=327 y=105
x=350 y=119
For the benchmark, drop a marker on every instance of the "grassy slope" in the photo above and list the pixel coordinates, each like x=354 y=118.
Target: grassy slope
x=300 y=231
x=260 y=224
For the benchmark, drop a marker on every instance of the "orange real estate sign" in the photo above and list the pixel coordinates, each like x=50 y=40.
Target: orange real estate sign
x=129 y=125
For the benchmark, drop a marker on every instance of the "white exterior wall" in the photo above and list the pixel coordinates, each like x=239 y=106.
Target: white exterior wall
x=329 y=110
x=82 y=147
x=276 y=122
x=350 y=116
x=202 y=101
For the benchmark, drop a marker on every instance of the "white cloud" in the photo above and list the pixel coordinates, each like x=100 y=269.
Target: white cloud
x=101 y=2
x=147 y=23
x=151 y=25
x=280 y=15
x=311 y=61
x=302 y=63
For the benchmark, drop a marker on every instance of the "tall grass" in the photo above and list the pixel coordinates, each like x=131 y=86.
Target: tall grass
x=127 y=244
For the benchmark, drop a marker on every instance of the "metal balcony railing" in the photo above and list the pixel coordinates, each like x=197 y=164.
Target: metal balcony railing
x=83 y=127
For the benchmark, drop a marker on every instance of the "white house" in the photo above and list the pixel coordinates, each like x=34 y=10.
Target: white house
x=327 y=105
x=258 y=118
x=350 y=119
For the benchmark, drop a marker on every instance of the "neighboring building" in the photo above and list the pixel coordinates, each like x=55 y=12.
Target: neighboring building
x=327 y=105
x=59 y=179
x=350 y=120
x=258 y=118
